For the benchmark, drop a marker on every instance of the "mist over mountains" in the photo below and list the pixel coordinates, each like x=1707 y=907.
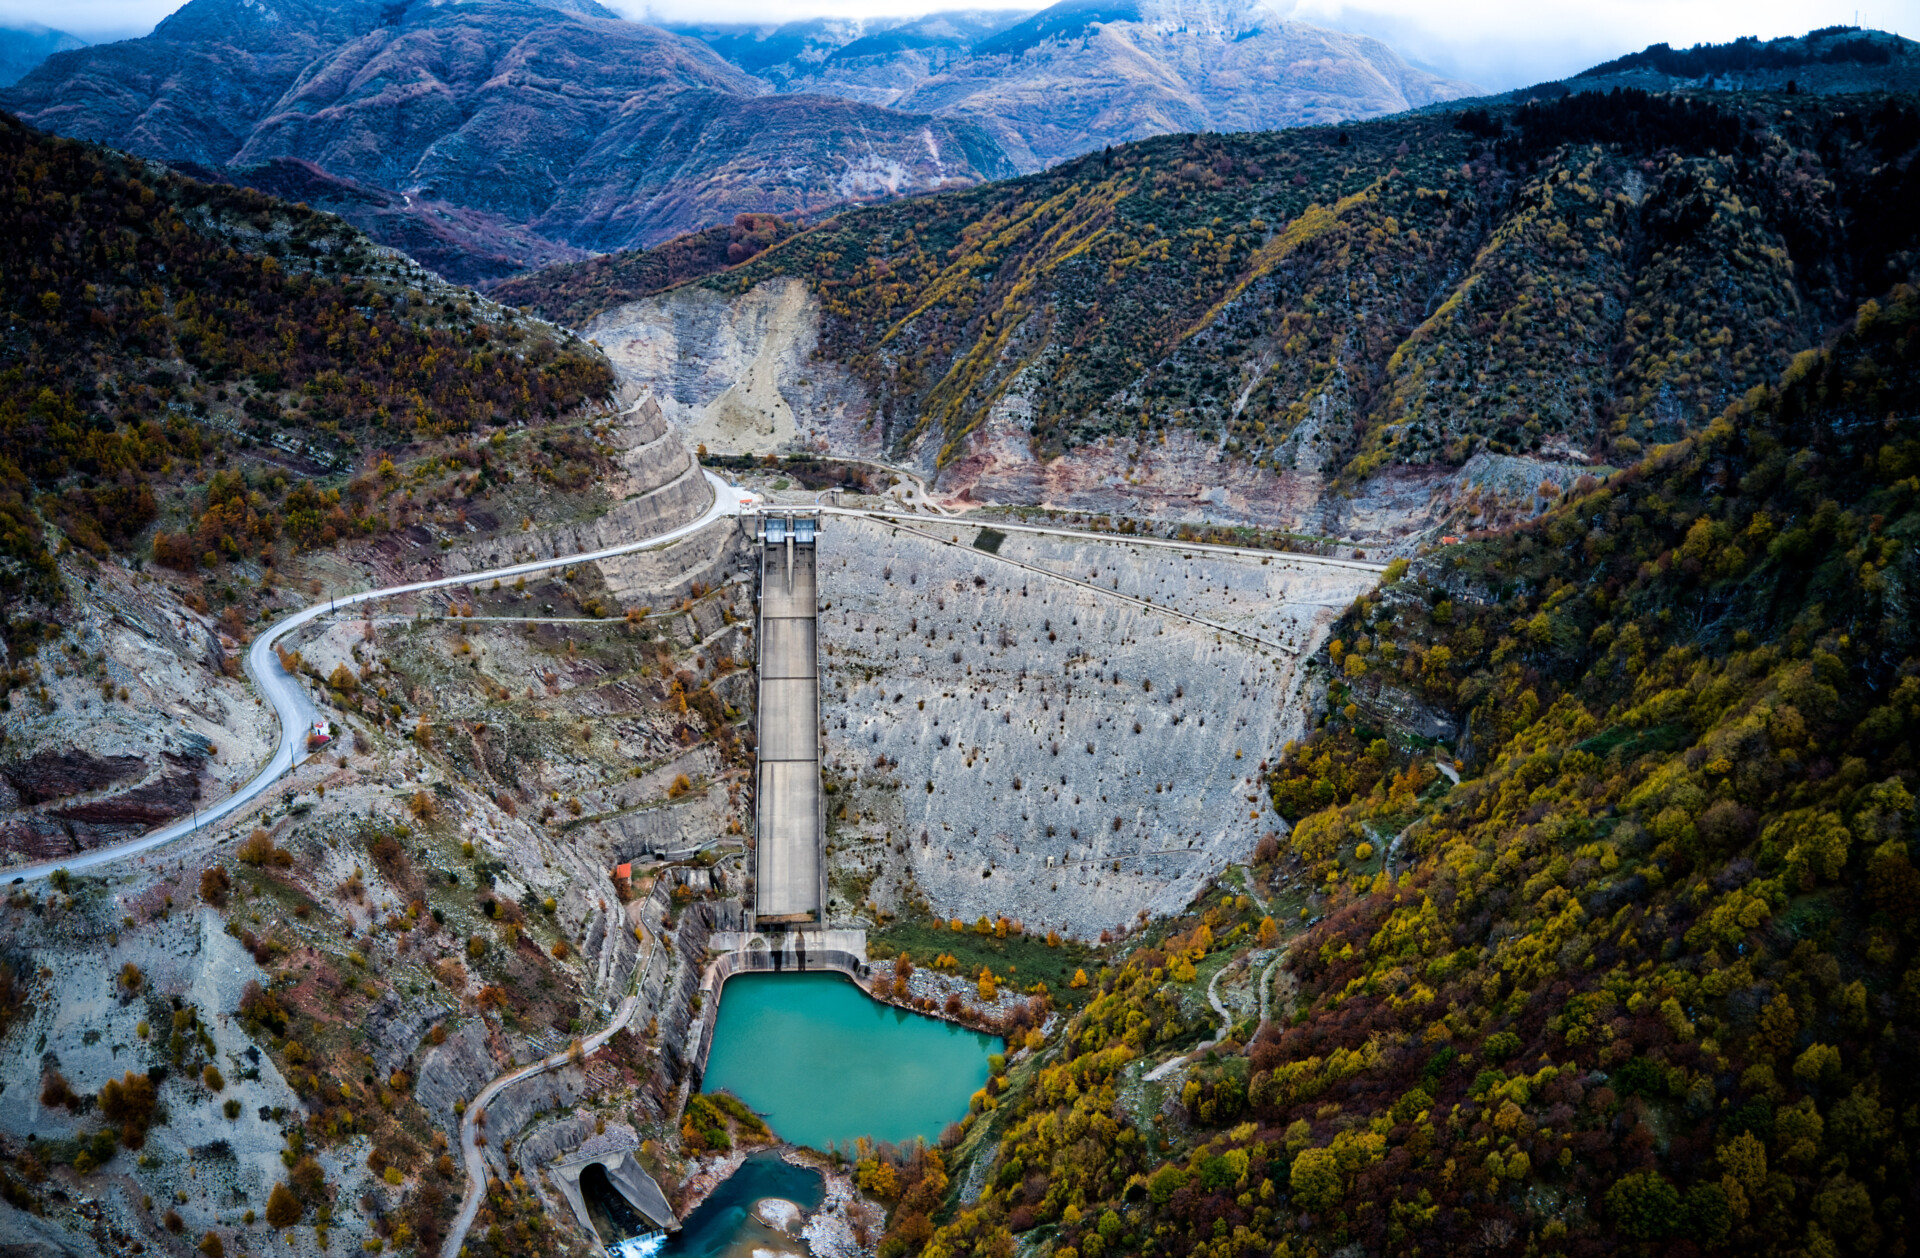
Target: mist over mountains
x=22 y=48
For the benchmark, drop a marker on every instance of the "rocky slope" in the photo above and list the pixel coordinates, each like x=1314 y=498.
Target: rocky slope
x=491 y=136
x=1355 y=331
x=873 y=59
x=1089 y=73
x=262 y=1035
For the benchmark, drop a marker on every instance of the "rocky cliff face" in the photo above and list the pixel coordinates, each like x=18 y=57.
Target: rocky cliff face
x=1089 y=73
x=876 y=60
x=491 y=136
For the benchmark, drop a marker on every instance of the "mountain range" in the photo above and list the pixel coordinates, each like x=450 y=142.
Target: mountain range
x=1349 y=330
x=489 y=136
x=1084 y=74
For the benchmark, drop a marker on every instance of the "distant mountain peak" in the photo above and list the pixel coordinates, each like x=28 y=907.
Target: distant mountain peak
x=1084 y=74
x=486 y=136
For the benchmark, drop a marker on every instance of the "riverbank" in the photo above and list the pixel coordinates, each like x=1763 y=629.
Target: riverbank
x=840 y=1224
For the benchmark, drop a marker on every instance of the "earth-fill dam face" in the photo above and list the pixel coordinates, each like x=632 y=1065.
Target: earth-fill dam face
x=824 y=1063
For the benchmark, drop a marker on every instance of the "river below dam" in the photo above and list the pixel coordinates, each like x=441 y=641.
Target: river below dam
x=824 y=1063
x=723 y=1226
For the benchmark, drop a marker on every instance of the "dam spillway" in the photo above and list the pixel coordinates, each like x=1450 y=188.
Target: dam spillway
x=789 y=808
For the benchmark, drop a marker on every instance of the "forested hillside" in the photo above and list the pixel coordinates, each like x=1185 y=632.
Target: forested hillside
x=574 y=292
x=1590 y=275
x=1646 y=979
x=204 y=350
x=1834 y=59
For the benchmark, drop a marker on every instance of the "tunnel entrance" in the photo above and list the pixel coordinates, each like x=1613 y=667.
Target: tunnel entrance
x=613 y=1216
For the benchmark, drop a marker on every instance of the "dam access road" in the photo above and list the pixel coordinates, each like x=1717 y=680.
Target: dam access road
x=789 y=820
x=294 y=710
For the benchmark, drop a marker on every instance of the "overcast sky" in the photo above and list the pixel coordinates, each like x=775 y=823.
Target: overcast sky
x=1495 y=43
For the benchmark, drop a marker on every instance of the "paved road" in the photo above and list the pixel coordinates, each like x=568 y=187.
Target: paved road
x=1128 y=539
x=295 y=711
x=787 y=814
x=470 y=1125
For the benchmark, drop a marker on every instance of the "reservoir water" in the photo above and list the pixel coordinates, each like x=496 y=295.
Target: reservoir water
x=826 y=1063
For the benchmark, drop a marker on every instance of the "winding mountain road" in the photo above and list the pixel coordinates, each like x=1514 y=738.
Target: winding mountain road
x=470 y=1124
x=295 y=711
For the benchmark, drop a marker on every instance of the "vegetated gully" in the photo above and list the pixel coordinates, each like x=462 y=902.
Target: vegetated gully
x=295 y=711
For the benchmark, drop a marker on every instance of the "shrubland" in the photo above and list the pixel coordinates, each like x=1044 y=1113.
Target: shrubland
x=1646 y=978
x=221 y=363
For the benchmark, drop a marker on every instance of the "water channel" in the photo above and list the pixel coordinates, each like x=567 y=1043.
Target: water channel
x=825 y=1063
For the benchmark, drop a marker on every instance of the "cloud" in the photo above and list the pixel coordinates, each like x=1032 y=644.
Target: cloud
x=1501 y=44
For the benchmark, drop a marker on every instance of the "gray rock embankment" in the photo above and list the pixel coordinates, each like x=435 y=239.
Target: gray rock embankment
x=739 y=375
x=1054 y=754
x=86 y=1024
x=453 y=1072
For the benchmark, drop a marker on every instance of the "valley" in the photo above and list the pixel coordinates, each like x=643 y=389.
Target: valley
x=1332 y=690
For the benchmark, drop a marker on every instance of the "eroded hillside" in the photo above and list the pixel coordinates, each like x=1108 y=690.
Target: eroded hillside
x=264 y=1033
x=1327 y=323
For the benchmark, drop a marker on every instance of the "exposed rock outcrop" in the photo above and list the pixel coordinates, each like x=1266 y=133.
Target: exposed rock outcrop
x=58 y=774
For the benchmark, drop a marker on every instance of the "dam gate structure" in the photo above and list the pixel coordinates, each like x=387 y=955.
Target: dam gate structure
x=789 y=806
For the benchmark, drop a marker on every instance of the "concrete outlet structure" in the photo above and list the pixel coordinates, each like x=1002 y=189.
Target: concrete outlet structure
x=790 y=812
x=614 y=1198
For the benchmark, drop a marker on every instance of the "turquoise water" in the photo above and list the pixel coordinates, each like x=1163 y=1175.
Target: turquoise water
x=723 y=1225
x=824 y=1063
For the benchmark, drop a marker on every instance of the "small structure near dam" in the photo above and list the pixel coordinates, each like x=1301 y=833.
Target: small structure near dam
x=615 y=1199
